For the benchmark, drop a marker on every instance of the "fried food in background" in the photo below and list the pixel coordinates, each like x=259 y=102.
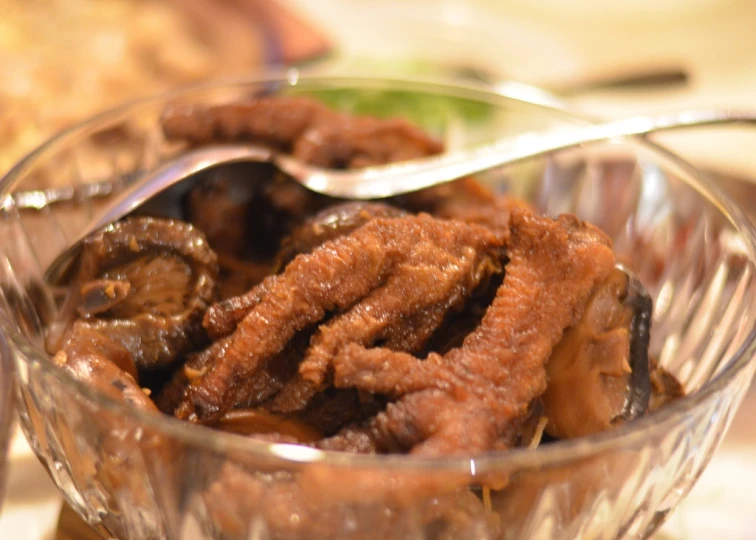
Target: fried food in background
x=64 y=60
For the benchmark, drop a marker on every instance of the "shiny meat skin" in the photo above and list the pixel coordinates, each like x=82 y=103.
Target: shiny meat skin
x=104 y=364
x=466 y=400
x=222 y=318
x=433 y=287
x=160 y=276
x=303 y=127
x=384 y=269
x=254 y=390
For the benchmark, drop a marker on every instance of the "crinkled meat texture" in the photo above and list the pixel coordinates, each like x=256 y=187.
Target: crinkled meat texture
x=331 y=223
x=145 y=283
x=272 y=377
x=305 y=128
x=383 y=272
x=468 y=399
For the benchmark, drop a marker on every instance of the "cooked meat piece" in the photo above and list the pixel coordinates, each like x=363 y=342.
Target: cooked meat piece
x=405 y=317
x=145 y=283
x=589 y=369
x=330 y=223
x=104 y=364
x=439 y=282
x=304 y=127
x=251 y=391
x=468 y=399
x=221 y=318
x=335 y=221
x=274 y=121
x=383 y=260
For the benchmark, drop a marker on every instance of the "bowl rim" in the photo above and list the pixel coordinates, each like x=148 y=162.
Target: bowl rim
x=560 y=452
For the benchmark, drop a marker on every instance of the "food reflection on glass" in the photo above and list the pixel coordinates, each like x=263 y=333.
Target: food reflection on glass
x=448 y=321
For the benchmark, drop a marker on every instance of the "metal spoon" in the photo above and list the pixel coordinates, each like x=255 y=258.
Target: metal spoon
x=386 y=180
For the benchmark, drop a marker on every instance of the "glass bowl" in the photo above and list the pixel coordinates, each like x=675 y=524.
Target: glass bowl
x=149 y=476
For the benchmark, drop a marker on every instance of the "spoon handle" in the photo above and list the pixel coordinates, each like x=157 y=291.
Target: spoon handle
x=387 y=180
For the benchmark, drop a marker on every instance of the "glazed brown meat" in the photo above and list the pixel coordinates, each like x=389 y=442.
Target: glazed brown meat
x=335 y=221
x=369 y=279
x=466 y=400
x=145 y=283
x=303 y=127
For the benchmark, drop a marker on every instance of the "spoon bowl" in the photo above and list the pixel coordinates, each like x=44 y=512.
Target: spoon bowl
x=382 y=181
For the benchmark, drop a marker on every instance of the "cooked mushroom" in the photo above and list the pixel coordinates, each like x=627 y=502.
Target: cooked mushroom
x=145 y=283
x=599 y=371
x=105 y=364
